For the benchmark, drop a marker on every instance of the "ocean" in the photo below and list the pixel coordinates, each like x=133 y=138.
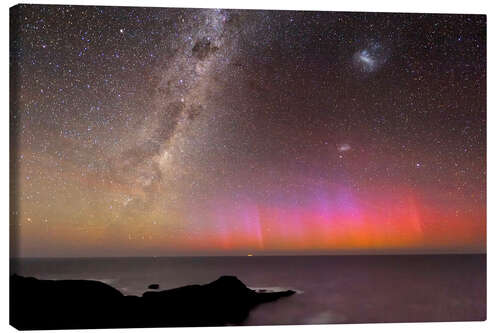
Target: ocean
x=330 y=289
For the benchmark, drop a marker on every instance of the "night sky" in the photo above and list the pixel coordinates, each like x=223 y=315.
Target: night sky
x=148 y=131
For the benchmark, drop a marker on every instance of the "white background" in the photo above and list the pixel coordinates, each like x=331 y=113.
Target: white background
x=423 y=6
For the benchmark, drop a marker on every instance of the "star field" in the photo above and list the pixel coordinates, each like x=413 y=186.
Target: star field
x=158 y=131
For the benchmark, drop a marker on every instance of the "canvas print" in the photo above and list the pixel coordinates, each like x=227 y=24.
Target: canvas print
x=209 y=167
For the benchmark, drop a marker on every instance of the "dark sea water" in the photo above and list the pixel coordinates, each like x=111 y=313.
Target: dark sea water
x=331 y=289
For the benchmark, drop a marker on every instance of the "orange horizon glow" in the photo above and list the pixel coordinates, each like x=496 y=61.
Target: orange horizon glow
x=339 y=222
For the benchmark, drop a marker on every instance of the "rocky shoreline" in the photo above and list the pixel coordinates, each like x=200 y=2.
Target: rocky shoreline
x=84 y=304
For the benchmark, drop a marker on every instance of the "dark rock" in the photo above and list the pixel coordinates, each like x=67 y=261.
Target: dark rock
x=81 y=304
x=154 y=286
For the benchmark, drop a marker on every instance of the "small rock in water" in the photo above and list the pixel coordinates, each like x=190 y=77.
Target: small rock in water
x=154 y=286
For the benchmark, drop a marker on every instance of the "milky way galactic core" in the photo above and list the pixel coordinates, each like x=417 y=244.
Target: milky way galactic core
x=168 y=131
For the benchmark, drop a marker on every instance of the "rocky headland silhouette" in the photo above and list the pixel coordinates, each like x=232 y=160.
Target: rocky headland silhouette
x=84 y=304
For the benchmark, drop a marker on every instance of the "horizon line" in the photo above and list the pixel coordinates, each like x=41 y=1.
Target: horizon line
x=252 y=255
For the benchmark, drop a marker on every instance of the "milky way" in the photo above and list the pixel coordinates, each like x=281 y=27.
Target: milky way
x=139 y=131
